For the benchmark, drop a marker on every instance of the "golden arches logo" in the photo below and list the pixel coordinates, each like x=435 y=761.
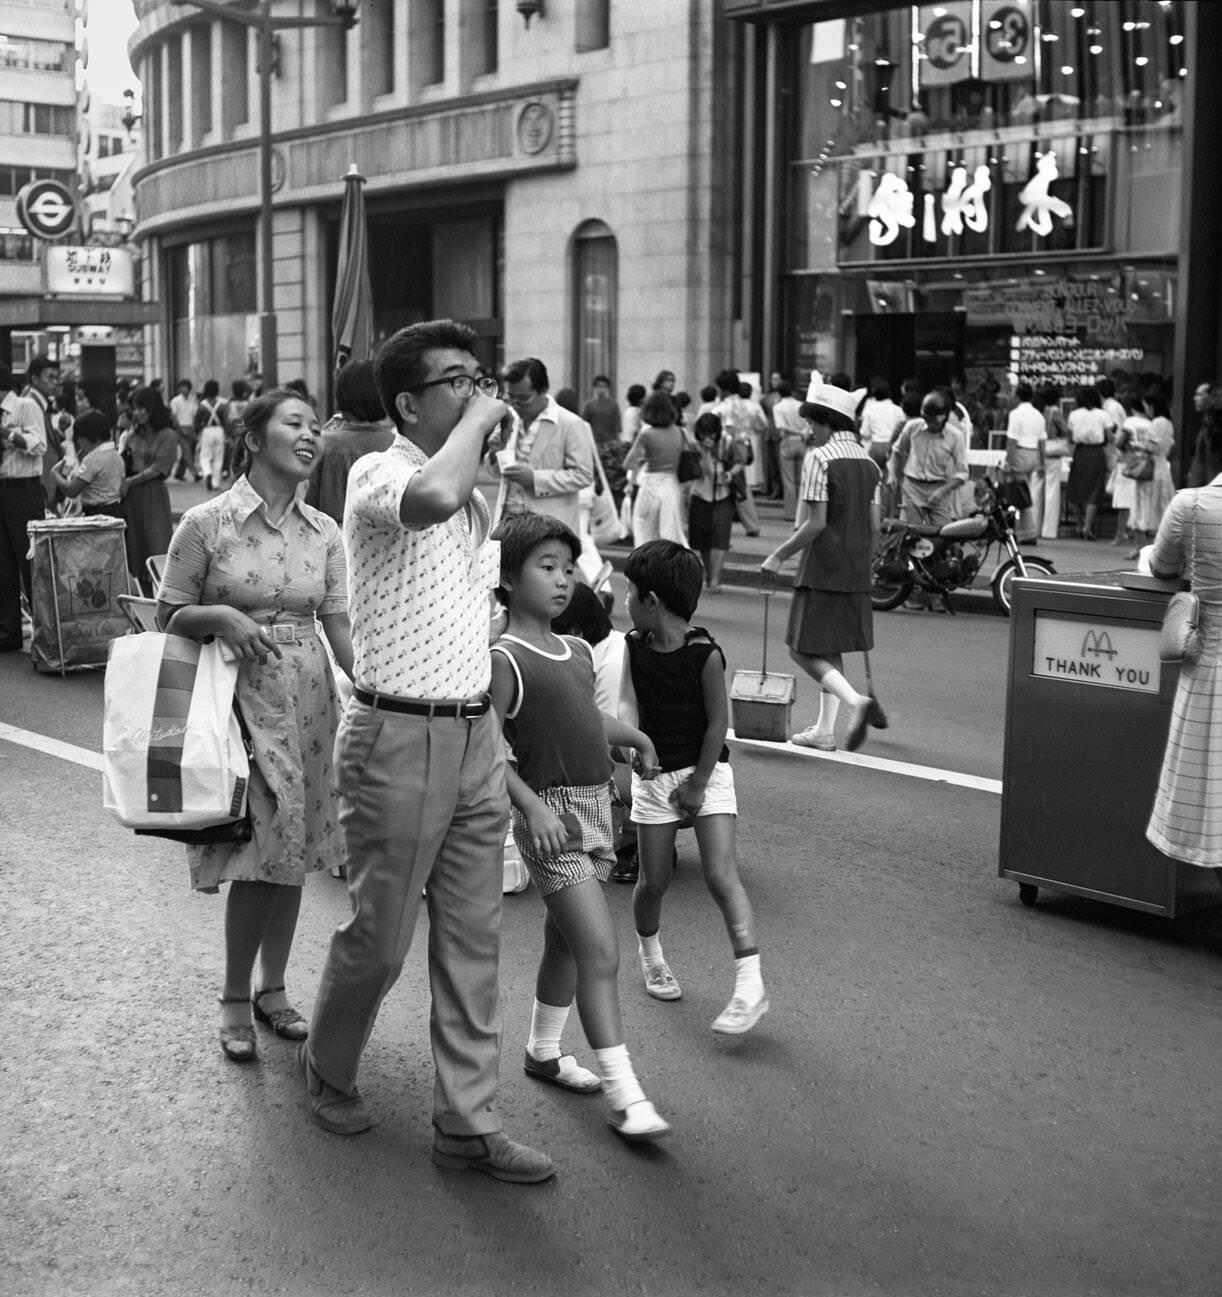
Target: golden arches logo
x=1098 y=643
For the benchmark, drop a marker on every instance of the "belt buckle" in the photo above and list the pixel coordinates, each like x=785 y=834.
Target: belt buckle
x=283 y=632
x=472 y=709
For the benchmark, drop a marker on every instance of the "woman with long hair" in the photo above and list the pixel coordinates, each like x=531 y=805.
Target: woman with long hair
x=255 y=567
x=149 y=455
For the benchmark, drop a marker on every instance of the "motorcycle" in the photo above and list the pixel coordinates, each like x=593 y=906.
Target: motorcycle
x=937 y=560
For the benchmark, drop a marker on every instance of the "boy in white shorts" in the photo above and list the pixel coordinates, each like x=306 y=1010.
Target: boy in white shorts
x=543 y=691
x=675 y=690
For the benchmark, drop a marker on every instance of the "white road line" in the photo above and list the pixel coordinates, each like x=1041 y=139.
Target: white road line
x=52 y=747
x=976 y=782
x=93 y=760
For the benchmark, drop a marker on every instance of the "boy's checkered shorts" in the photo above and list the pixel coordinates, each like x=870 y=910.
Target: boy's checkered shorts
x=596 y=856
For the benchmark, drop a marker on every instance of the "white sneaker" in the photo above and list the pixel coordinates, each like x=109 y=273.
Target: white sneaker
x=660 y=981
x=738 y=1016
x=811 y=738
x=638 y=1123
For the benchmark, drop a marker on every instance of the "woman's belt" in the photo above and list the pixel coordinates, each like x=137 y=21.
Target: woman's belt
x=467 y=709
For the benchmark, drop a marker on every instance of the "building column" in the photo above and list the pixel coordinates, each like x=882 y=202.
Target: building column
x=1198 y=326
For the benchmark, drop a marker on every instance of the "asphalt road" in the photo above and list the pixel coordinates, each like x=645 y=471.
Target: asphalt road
x=951 y=1095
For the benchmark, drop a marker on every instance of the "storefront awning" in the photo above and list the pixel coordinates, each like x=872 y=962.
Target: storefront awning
x=47 y=312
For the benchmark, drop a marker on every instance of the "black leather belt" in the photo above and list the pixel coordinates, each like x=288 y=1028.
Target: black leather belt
x=18 y=481
x=469 y=709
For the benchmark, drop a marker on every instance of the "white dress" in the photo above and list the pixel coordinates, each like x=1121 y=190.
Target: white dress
x=1186 y=823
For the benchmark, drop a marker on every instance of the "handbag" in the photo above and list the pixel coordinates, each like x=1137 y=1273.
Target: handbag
x=1180 y=637
x=1139 y=466
x=606 y=525
x=176 y=754
x=691 y=462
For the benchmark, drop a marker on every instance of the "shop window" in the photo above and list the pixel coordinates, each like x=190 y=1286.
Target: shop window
x=212 y=304
x=35 y=119
x=235 y=76
x=593 y=25
x=595 y=303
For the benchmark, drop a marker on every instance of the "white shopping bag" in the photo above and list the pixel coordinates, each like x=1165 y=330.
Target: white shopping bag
x=172 y=746
x=514 y=877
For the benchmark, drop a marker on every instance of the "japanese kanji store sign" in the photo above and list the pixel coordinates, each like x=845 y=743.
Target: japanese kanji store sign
x=89 y=272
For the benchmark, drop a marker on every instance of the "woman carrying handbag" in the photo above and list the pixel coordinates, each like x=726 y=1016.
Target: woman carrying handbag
x=254 y=568
x=1186 y=823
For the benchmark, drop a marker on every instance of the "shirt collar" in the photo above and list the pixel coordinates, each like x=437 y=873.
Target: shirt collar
x=244 y=500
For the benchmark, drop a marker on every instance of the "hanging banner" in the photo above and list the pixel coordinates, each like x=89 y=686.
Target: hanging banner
x=945 y=43
x=1007 y=40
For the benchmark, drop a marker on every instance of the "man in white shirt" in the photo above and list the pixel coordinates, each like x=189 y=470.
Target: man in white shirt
x=1026 y=433
x=23 y=445
x=792 y=433
x=419 y=760
x=183 y=407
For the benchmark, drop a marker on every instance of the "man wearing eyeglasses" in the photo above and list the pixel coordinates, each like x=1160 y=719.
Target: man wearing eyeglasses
x=419 y=761
x=548 y=457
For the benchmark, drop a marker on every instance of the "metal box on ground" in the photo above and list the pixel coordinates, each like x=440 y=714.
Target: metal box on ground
x=1087 y=712
x=761 y=702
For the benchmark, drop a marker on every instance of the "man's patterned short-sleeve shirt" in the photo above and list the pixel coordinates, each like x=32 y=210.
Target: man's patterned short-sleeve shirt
x=419 y=599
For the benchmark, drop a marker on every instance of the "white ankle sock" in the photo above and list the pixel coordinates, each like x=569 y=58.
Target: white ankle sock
x=619 y=1080
x=748 y=980
x=835 y=683
x=829 y=706
x=546 y=1027
x=650 y=948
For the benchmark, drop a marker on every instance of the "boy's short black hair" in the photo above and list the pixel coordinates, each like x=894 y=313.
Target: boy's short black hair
x=521 y=534
x=92 y=427
x=670 y=571
x=585 y=616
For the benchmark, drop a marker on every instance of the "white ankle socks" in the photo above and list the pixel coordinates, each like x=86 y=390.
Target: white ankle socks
x=619 y=1080
x=748 y=980
x=650 y=948
x=546 y=1027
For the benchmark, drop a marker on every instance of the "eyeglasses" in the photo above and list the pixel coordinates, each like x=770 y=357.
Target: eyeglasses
x=520 y=399
x=463 y=385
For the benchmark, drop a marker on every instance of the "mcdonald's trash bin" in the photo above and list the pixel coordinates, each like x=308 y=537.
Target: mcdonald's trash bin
x=1088 y=706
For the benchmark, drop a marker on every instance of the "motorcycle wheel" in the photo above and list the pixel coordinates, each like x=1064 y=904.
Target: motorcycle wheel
x=1003 y=594
x=887 y=594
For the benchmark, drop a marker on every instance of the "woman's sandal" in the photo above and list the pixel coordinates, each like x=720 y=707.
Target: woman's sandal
x=237 y=1039
x=287 y=1023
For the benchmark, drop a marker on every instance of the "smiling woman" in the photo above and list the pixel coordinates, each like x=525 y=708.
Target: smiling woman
x=260 y=569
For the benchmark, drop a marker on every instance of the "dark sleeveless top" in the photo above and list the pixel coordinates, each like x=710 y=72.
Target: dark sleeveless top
x=670 y=697
x=555 y=727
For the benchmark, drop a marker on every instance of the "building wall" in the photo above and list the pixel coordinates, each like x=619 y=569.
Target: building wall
x=635 y=143
x=34 y=29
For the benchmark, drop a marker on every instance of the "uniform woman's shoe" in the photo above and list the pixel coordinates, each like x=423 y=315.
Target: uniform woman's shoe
x=237 y=1038
x=285 y=1021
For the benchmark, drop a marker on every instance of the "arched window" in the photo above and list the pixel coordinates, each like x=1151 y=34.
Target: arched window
x=595 y=298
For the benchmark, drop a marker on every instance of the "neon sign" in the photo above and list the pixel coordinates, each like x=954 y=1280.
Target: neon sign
x=964 y=206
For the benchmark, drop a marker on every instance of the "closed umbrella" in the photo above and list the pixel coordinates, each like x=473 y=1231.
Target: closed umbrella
x=352 y=313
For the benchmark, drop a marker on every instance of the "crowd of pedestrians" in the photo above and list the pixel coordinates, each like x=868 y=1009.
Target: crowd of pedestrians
x=457 y=633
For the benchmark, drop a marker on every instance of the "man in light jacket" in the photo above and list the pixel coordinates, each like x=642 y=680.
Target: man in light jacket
x=548 y=458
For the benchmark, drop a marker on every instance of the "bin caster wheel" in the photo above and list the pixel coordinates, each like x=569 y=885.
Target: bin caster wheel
x=1028 y=893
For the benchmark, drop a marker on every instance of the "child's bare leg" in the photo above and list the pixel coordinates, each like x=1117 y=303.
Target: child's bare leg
x=716 y=837
x=581 y=919
x=655 y=851
x=555 y=984
x=578 y=919
x=655 y=844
